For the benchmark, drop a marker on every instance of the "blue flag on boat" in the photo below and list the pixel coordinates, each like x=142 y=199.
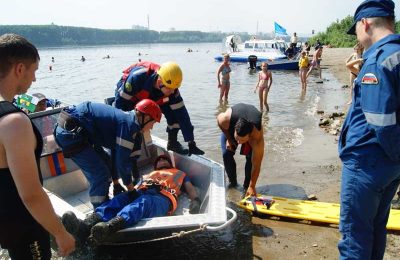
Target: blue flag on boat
x=279 y=29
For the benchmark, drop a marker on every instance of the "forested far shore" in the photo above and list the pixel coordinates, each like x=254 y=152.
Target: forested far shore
x=336 y=34
x=54 y=35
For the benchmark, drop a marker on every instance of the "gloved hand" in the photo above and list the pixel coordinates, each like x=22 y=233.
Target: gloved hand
x=117 y=189
x=194 y=206
x=133 y=194
x=193 y=149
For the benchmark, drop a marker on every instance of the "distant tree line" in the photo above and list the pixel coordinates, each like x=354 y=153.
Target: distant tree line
x=336 y=34
x=54 y=35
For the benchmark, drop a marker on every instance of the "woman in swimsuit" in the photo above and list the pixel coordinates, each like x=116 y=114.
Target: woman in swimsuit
x=353 y=64
x=303 y=68
x=224 y=80
x=264 y=84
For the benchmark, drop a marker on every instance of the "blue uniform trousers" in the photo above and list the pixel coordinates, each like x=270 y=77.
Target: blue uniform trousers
x=230 y=164
x=368 y=186
x=149 y=204
x=92 y=162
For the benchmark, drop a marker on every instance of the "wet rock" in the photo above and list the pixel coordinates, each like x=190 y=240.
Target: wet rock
x=337 y=114
x=332 y=123
x=312 y=197
x=324 y=122
x=333 y=132
x=319 y=112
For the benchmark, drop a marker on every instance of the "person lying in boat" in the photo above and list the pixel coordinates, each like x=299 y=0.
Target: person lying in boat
x=83 y=131
x=156 y=196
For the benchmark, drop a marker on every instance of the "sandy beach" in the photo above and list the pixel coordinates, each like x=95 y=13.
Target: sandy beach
x=314 y=168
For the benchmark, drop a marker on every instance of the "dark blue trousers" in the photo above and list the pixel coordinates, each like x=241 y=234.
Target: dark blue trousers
x=369 y=184
x=230 y=164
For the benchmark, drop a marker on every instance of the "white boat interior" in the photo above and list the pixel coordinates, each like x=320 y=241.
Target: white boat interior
x=68 y=188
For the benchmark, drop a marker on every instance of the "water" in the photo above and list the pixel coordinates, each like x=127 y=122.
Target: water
x=292 y=115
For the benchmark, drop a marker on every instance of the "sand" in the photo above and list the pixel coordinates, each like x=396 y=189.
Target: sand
x=314 y=169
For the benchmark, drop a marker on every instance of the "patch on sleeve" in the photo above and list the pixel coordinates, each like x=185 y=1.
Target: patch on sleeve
x=370 y=79
x=128 y=87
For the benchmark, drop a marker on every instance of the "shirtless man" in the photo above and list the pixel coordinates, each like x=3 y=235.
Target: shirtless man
x=241 y=124
x=26 y=214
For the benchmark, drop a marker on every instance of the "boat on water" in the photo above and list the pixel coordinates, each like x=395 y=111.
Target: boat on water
x=256 y=50
x=67 y=187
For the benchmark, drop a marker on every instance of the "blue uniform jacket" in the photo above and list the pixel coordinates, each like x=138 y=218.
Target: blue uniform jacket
x=372 y=124
x=113 y=129
x=140 y=83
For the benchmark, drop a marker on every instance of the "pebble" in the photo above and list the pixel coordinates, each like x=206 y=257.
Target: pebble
x=312 y=197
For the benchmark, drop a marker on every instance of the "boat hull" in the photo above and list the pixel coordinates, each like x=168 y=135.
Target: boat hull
x=282 y=65
x=67 y=187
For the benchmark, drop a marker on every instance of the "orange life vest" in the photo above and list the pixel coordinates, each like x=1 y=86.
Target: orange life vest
x=170 y=181
x=143 y=94
x=151 y=66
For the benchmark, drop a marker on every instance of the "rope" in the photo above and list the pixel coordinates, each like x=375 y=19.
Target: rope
x=180 y=234
x=174 y=235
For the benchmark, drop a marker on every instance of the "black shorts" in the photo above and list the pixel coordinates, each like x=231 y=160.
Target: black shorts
x=25 y=241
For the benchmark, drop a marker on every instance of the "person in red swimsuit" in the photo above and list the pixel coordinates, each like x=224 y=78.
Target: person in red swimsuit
x=264 y=85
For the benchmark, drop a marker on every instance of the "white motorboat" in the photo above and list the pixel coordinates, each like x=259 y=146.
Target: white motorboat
x=264 y=50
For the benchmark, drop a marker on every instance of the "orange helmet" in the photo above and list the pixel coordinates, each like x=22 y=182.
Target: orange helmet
x=149 y=107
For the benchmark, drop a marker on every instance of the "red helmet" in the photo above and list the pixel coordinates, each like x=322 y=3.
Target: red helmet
x=149 y=107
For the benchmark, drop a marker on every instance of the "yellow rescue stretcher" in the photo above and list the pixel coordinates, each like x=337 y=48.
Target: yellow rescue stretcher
x=304 y=210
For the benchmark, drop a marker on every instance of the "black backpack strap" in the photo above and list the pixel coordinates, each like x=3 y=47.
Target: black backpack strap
x=7 y=108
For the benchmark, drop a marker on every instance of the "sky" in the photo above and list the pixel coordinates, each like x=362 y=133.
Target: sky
x=301 y=16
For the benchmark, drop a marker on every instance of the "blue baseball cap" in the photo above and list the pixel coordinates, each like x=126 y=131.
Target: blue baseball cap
x=372 y=8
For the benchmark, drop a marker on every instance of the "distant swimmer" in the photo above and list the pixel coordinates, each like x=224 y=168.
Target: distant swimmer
x=107 y=57
x=52 y=59
x=83 y=59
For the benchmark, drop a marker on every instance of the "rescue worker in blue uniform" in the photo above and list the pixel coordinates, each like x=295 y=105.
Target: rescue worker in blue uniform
x=369 y=145
x=159 y=83
x=84 y=130
x=156 y=196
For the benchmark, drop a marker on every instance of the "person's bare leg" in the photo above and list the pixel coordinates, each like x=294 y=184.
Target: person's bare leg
x=227 y=87
x=260 y=98
x=265 y=97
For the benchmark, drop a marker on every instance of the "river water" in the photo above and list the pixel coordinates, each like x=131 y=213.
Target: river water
x=291 y=116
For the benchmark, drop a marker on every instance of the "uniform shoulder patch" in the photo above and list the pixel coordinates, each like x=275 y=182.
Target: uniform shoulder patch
x=128 y=87
x=370 y=79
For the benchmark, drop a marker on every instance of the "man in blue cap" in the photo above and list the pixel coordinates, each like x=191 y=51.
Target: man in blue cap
x=369 y=145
